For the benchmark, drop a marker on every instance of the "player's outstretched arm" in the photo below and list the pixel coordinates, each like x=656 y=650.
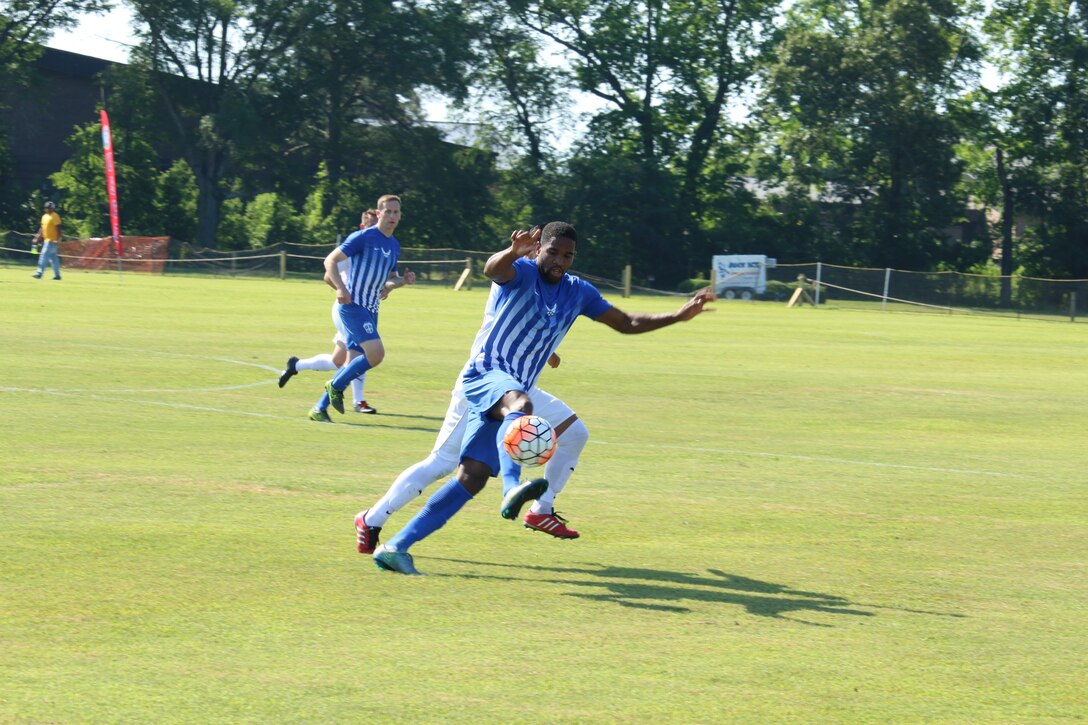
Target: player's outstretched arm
x=500 y=266
x=638 y=322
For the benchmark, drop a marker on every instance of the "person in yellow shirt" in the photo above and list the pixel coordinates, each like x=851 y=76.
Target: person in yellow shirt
x=49 y=236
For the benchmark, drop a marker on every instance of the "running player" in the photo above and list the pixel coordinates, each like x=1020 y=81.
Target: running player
x=373 y=255
x=340 y=353
x=536 y=306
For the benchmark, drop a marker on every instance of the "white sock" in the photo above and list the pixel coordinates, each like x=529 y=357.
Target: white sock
x=409 y=484
x=317 y=362
x=558 y=470
x=357 y=388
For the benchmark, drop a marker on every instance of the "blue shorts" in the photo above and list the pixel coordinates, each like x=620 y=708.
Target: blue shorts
x=483 y=390
x=360 y=323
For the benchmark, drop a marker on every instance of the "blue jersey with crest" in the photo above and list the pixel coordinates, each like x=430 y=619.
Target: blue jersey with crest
x=373 y=256
x=529 y=319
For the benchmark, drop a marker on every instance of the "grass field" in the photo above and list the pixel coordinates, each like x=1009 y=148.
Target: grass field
x=786 y=515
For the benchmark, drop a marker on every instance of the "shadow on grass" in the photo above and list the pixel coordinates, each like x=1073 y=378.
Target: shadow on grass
x=370 y=421
x=668 y=591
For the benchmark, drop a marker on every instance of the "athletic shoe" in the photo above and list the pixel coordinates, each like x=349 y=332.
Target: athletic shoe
x=366 y=537
x=521 y=495
x=552 y=524
x=320 y=416
x=37 y=275
x=55 y=278
x=290 y=371
x=336 y=397
x=398 y=561
x=362 y=407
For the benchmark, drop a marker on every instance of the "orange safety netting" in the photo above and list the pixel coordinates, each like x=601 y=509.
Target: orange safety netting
x=140 y=254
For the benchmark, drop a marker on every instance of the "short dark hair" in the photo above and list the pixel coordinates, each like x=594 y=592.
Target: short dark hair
x=50 y=205
x=555 y=230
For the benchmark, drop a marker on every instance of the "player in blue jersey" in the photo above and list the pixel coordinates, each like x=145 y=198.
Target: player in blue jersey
x=340 y=354
x=372 y=272
x=538 y=301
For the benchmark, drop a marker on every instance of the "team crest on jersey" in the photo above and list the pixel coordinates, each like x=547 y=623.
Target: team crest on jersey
x=550 y=311
x=369 y=328
x=387 y=252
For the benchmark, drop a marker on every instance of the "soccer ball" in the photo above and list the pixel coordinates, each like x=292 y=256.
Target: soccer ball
x=530 y=440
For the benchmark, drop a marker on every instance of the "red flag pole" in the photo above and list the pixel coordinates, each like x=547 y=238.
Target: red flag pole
x=111 y=185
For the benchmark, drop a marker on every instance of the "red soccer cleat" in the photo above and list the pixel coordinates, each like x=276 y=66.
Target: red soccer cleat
x=552 y=524
x=366 y=537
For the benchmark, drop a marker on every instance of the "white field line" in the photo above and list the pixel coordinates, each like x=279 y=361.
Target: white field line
x=158 y=403
x=78 y=392
x=689 y=449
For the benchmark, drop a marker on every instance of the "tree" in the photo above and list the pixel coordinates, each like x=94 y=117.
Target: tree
x=82 y=181
x=667 y=73
x=26 y=24
x=856 y=113
x=361 y=62
x=1043 y=48
x=211 y=63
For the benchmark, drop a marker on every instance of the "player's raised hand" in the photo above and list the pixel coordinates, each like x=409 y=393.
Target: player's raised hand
x=697 y=304
x=523 y=241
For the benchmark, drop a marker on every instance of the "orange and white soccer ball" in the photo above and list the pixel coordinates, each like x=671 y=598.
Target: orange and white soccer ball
x=530 y=440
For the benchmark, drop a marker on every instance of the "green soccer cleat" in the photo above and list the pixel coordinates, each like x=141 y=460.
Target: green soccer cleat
x=336 y=397
x=521 y=495
x=319 y=416
x=397 y=561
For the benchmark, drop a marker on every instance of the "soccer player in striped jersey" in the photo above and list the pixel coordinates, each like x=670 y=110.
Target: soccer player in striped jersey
x=373 y=255
x=340 y=354
x=571 y=436
x=537 y=304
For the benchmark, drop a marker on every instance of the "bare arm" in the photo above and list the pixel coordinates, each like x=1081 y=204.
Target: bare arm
x=500 y=266
x=332 y=275
x=638 y=322
x=395 y=280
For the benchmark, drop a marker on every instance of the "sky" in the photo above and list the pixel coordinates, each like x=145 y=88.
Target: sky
x=101 y=36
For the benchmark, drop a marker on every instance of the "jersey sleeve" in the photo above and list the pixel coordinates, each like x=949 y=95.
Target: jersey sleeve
x=521 y=268
x=593 y=304
x=354 y=244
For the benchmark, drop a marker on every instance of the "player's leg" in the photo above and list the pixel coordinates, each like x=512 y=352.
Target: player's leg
x=504 y=399
x=413 y=480
x=469 y=480
x=571 y=438
x=479 y=461
x=362 y=334
x=358 y=386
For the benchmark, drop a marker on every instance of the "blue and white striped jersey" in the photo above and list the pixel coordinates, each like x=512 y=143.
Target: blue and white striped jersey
x=526 y=319
x=373 y=256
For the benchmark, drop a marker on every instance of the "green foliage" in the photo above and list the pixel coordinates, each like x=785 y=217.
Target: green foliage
x=272 y=220
x=10 y=194
x=175 y=202
x=693 y=284
x=25 y=25
x=1043 y=109
x=233 y=232
x=82 y=183
x=858 y=105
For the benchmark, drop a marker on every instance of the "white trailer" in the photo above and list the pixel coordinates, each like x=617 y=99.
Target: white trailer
x=740 y=275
